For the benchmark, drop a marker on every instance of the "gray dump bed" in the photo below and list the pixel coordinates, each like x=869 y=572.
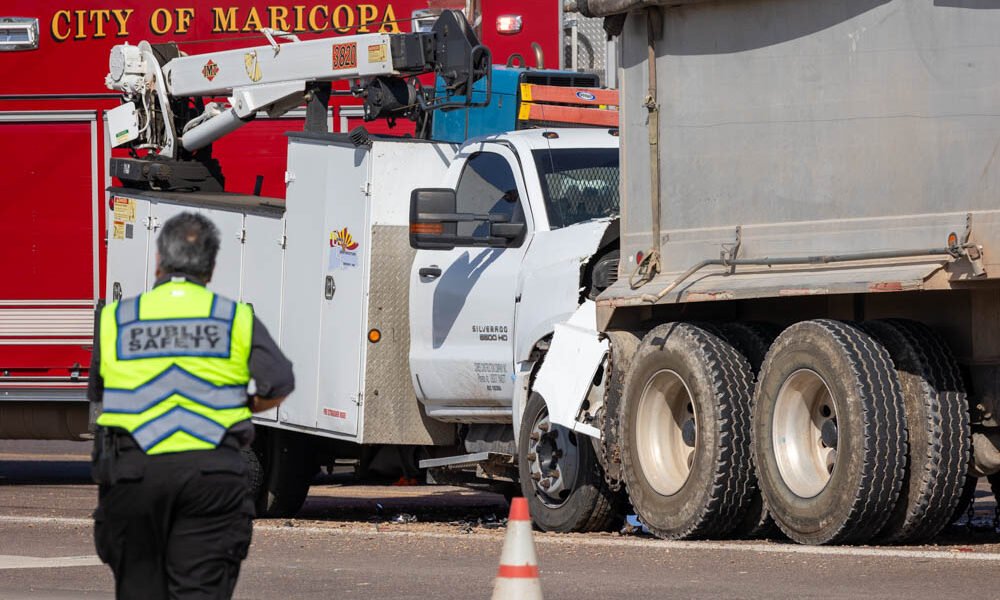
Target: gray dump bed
x=817 y=127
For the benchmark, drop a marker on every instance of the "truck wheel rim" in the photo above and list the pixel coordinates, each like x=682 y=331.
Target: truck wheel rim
x=553 y=461
x=666 y=432
x=805 y=435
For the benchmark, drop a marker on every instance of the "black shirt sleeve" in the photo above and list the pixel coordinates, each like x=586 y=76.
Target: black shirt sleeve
x=95 y=383
x=269 y=368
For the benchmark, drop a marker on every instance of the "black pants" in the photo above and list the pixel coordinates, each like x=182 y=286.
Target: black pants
x=174 y=525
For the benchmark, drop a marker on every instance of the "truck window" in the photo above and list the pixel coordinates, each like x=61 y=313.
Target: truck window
x=579 y=184
x=487 y=185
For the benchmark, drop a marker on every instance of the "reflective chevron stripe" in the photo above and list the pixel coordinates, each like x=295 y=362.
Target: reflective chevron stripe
x=178 y=419
x=128 y=311
x=174 y=380
x=223 y=308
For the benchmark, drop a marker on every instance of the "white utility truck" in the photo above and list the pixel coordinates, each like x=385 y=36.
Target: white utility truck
x=414 y=284
x=805 y=326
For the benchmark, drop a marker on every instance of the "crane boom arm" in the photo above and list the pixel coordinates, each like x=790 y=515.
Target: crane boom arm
x=164 y=91
x=328 y=59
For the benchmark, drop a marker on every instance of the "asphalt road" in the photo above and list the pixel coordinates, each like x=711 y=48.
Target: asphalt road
x=346 y=545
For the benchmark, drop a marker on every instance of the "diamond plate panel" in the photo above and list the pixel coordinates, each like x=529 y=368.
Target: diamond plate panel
x=392 y=413
x=591 y=38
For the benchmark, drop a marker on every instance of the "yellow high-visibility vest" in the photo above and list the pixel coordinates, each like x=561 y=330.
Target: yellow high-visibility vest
x=174 y=363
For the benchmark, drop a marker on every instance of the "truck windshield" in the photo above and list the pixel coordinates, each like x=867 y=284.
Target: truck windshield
x=579 y=184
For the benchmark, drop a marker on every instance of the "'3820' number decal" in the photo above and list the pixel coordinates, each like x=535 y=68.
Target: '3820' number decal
x=345 y=56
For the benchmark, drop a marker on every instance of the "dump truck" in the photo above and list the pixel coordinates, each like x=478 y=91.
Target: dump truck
x=804 y=328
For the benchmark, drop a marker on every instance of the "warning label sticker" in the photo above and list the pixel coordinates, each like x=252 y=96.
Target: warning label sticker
x=118 y=230
x=376 y=53
x=124 y=209
x=336 y=414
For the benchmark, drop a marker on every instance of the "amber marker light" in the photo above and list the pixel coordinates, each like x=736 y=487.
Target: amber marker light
x=437 y=228
x=952 y=239
x=374 y=336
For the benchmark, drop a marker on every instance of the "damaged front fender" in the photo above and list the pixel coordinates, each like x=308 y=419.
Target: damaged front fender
x=568 y=372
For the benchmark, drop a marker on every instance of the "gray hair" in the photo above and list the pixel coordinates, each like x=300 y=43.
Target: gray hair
x=188 y=245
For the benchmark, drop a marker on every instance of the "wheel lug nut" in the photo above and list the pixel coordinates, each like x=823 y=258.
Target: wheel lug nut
x=536 y=476
x=534 y=436
x=543 y=426
x=532 y=456
x=545 y=484
x=828 y=432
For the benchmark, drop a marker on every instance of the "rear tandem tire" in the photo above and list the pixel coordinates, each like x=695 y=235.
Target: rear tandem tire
x=562 y=458
x=937 y=424
x=685 y=431
x=829 y=433
x=753 y=340
x=965 y=500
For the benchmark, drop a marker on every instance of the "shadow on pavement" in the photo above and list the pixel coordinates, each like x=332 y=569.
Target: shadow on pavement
x=44 y=472
x=338 y=498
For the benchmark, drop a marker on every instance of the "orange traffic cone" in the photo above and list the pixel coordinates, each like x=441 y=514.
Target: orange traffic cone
x=517 y=577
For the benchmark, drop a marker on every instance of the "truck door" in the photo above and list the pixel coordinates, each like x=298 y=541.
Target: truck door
x=462 y=300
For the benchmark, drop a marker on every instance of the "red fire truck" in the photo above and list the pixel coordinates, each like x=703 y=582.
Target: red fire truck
x=54 y=147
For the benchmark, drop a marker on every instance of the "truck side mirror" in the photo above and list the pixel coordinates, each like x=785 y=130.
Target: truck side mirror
x=434 y=223
x=429 y=230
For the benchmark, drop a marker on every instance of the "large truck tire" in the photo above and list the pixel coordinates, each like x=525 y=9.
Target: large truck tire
x=255 y=472
x=623 y=347
x=829 y=433
x=561 y=477
x=938 y=431
x=753 y=340
x=288 y=467
x=685 y=430
x=965 y=500
x=994 y=480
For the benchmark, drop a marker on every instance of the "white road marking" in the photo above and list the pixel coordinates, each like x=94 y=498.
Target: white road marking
x=367 y=530
x=40 y=562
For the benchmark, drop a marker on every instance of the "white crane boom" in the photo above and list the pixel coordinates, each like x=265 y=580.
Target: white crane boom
x=159 y=84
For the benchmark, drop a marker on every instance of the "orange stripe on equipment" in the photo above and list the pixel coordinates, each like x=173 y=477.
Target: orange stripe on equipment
x=518 y=571
x=568 y=95
x=568 y=114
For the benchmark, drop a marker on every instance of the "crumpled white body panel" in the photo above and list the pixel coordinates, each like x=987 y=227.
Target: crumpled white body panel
x=564 y=379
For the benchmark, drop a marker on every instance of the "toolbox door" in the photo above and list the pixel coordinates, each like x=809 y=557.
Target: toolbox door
x=345 y=249
x=228 y=263
x=324 y=293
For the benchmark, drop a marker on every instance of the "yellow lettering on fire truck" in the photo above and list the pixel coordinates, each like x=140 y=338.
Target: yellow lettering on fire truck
x=98 y=23
x=162 y=21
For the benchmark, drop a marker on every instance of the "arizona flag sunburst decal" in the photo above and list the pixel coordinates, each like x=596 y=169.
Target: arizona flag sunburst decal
x=343 y=239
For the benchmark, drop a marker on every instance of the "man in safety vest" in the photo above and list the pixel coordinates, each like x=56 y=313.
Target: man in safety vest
x=171 y=368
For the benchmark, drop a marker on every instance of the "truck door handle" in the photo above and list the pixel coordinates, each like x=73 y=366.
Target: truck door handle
x=430 y=272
